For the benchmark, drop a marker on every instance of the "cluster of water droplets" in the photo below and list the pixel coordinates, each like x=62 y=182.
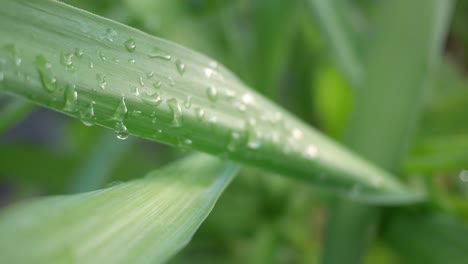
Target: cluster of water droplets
x=150 y=88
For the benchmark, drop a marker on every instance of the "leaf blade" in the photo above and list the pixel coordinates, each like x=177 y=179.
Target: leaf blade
x=141 y=221
x=202 y=106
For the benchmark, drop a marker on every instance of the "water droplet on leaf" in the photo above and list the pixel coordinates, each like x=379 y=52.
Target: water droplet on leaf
x=70 y=97
x=180 y=67
x=102 y=56
x=311 y=152
x=212 y=93
x=234 y=141
x=208 y=72
x=49 y=82
x=199 y=113
x=130 y=45
x=157 y=53
x=121 y=131
x=188 y=102
x=78 y=52
x=153 y=99
x=13 y=53
x=176 y=110
x=87 y=116
x=66 y=59
x=109 y=34
x=101 y=79
x=120 y=111
x=149 y=75
x=157 y=84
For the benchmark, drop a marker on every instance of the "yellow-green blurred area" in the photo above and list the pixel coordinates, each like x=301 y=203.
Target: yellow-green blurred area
x=281 y=49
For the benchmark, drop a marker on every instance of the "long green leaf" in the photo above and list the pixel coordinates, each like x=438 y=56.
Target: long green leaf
x=108 y=74
x=142 y=221
x=400 y=59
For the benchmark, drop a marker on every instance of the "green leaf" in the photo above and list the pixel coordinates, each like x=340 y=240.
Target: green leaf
x=142 y=221
x=331 y=16
x=111 y=75
x=401 y=55
x=435 y=238
x=13 y=112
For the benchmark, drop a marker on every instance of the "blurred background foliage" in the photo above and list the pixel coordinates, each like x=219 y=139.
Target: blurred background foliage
x=278 y=48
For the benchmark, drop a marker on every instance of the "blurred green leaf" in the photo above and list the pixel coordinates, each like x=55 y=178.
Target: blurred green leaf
x=333 y=17
x=13 y=112
x=429 y=238
x=401 y=56
x=142 y=221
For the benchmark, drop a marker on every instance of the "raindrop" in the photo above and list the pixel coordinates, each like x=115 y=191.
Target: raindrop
x=121 y=130
x=70 y=97
x=140 y=81
x=66 y=59
x=109 y=34
x=188 y=102
x=180 y=67
x=101 y=79
x=296 y=133
x=188 y=141
x=253 y=138
x=247 y=98
x=149 y=75
x=199 y=113
x=11 y=49
x=240 y=106
x=135 y=91
x=131 y=61
x=234 y=141
x=120 y=111
x=91 y=65
x=78 y=52
x=229 y=94
x=87 y=116
x=158 y=53
x=311 y=152
x=208 y=72
x=130 y=45
x=152 y=99
x=102 y=56
x=176 y=110
x=136 y=113
x=212 y=93
x=157 y=84
x=49 y=82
